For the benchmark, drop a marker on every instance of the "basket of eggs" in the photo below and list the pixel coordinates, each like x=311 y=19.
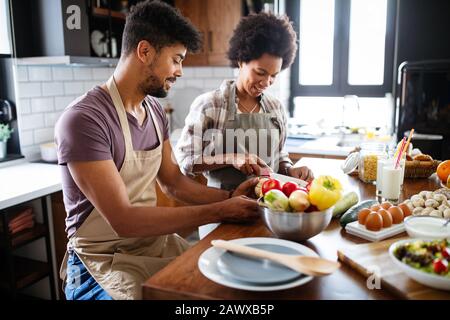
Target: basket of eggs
x=420 y=166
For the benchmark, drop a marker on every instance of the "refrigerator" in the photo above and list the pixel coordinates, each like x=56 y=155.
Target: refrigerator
x=423 y=103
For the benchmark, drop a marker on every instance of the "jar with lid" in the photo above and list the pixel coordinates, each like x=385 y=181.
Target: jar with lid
x=368 y=161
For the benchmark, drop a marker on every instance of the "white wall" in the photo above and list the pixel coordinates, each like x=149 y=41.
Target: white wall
x=42 y=93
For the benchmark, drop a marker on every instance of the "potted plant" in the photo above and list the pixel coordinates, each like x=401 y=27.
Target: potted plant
x=5 y=134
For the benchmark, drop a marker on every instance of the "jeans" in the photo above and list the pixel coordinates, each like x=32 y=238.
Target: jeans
x=80 y=285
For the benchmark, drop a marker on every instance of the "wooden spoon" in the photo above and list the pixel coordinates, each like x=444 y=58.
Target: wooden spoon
x=312 y=266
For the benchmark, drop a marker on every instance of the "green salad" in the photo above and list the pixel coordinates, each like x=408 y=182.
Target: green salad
x=429 y=256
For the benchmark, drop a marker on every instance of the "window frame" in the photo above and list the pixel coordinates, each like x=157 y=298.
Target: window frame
x=340 y=85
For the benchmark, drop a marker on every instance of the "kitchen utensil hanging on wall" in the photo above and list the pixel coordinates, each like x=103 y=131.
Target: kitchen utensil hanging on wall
x=6 y=111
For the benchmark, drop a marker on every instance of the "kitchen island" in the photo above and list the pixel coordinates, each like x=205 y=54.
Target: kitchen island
x=182 y=279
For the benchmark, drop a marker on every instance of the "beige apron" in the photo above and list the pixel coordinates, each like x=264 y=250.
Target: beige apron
x=121 y=265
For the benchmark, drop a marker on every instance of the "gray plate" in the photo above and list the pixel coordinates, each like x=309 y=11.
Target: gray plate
x=257 y=271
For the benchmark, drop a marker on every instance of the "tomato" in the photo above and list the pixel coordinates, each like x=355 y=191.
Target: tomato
x=289 y=187
x=270 y=184
x=440 y=265
x=446 y=253
x=308 y=187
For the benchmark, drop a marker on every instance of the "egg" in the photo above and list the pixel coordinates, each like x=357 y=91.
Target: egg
x=374 y=221
x=397 y=214
x=375 y=207
x=387 y=218
x=406 y=210
x=386 y=205
x=362 y=215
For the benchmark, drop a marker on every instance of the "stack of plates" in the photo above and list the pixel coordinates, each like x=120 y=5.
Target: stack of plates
x=242 y=272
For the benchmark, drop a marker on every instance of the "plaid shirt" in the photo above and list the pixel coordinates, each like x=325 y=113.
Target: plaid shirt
x=211 y=111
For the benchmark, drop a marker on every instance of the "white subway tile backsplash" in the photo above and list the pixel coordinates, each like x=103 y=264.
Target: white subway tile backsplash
x=82 y=73
x=51 y=118
x=212 y=83
x=73 y=87
x=203 y=72
x=62 y=73
x=29 y=89
x=88 y=85
x=39 y=73
x=26 y=138
x=22 y=73
x=32 y=121
x=44 y=135
x=180 y=83
x=223 y=72
x=194 y=83
x=44 y=92
x=31 y=153
x=24 y=106
x=52 y=89
x=42 y=104
x=188 y=72
x=102 y=73
x=62 y=102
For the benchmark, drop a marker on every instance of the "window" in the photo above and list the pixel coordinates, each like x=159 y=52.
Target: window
x=4 y=37
x=345 y=47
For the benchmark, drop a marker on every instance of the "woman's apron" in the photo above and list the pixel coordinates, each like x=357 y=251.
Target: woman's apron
x=121 y=265
x=264 y=143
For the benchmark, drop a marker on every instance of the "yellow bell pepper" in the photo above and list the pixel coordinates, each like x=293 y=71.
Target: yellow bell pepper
x=325 y=191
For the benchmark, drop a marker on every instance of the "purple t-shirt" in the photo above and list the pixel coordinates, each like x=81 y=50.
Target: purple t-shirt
x=89 y=130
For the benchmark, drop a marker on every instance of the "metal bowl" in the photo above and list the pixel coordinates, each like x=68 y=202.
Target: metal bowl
x=296 y=226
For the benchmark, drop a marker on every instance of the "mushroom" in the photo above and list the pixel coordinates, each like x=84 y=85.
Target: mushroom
x=418 y=202
x=439 y=197
x=431 y=203
x=446 y=213
x=436 y=213
x=417 y=211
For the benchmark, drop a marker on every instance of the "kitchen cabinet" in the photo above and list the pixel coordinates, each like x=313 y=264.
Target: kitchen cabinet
x=66 y=28
x=19 y=272
x=49 y=28
x=216 y=20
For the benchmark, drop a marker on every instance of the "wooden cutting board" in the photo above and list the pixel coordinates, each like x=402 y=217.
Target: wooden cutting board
x=373 y=260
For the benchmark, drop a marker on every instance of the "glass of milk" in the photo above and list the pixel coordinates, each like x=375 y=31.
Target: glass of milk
x=380 y=164
x=392 y=180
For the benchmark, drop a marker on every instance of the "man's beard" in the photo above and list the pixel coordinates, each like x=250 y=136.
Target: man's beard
x=152 y=86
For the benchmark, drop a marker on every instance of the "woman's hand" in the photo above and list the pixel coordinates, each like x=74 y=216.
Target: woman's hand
x=248 y=164
x=303 y=173
x=246 y=188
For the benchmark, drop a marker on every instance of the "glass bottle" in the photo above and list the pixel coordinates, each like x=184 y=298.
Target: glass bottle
x=368 y=161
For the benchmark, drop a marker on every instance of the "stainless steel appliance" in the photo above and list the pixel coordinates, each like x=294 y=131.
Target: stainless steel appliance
x=423 y=103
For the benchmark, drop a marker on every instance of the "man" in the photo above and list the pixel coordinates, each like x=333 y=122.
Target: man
x=113 y=145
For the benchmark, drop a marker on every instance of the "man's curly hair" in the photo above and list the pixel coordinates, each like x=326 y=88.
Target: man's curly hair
x=262 y=33
x=161 y=25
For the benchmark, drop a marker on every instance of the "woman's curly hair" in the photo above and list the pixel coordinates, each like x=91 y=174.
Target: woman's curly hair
x=161 y=25
x=262 y=33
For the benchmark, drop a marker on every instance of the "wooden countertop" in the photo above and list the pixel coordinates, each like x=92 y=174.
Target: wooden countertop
x=182 y=279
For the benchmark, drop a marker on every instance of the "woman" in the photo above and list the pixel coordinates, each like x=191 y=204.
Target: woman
x=237 y=130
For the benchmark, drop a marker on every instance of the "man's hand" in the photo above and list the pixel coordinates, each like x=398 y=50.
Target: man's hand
x=239 y=209
x=246 y=188
x=248 y=164
x=303 y=173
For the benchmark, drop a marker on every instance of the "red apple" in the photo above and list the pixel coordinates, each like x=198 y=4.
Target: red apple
x=269 y=185
x=289 y=187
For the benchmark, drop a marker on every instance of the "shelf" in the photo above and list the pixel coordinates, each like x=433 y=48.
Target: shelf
x=26 y=236
x=103 y=12
x=27 y=272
